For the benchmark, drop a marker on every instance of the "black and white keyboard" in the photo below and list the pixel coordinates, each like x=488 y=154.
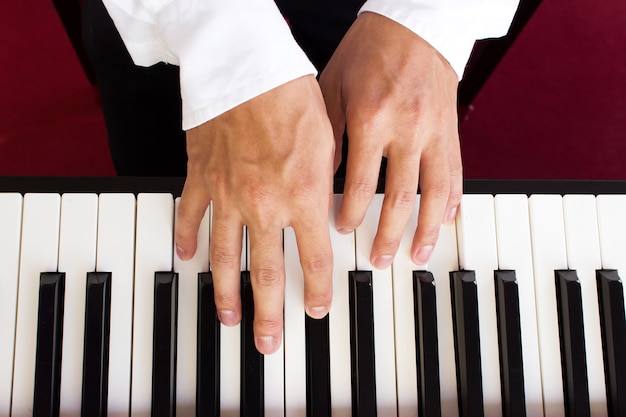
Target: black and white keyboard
x=520 y=311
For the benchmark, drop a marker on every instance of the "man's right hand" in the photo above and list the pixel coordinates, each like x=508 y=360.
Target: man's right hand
x=266 y=164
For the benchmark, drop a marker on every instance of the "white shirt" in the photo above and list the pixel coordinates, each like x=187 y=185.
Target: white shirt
x=230 y=51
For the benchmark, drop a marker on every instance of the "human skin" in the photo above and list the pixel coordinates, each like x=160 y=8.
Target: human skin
x=396 y=96
x=268 y=164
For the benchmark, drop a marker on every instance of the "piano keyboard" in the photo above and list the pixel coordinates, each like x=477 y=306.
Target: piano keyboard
x=520 y=311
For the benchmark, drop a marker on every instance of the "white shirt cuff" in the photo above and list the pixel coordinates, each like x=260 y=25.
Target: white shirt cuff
x=450 y=26
x=228 y=51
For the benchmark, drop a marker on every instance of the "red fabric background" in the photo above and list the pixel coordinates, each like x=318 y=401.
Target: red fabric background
x=554 y=108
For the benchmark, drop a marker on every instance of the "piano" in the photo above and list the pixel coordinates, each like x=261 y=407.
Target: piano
x=520 y=311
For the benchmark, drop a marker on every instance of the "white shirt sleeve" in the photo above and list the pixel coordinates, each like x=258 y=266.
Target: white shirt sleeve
x=450 y=26
x=229 y=51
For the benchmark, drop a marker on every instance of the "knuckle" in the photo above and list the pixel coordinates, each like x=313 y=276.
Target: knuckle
x=224 y=258
x=316 y=264
x=387 y=244
x=360 y=190
x=226 y=300
x=267 y=277
x=258 y=195
x=438 y=190
x=267 y=323
x=303 y=197
x=402 y=201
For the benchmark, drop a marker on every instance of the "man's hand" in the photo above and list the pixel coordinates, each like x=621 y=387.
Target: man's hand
x=266 y=164
x=396 y=96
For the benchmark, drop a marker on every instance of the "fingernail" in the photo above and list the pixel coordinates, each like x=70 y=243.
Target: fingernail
x=451 y=216
x=180 y=252
x=383 y=262
x=423 y=254
x=318 y=312
x=227 y=317
x=345 y=231
x=266 y=344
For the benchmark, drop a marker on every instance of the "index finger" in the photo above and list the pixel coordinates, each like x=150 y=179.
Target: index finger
x=194 y=201
x=362 y=169
x=400 y=195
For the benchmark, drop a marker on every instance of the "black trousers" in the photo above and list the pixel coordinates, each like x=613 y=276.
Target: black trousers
x=142 y=106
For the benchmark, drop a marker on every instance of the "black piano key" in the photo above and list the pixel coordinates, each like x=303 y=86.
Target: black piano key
x=252 y=382
x=96 y=345
x=363 y=365
x=572 y=339
x=47 y=396
x=613 y=327
x=208 y=351
x=510 y=344
x=164 y=344
x=317 y=367
x=426 y=343
x=467 y=343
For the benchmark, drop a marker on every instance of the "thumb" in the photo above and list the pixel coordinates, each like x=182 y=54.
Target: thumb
x=331 y=90
x=338 y=122
x=194 y=201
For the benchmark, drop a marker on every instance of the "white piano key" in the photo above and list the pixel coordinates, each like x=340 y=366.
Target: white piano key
x=402 y=271
x=295 y=342
x=583 y=255
x=153 y=253
x=339 y=319
x=230 y=356
x=384 y=346
x=116 y=254
x=39 y=253
x=188 y=318
x=10 y=231
x=515 y=253
x=77 y=256
x=274 y=383
x=273 y=366
x=612 y=230
x=273 y=375
x=478 y=252
x=443 y=260
x=547 y=232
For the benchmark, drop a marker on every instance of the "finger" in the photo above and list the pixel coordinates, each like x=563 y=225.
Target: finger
x=226 y=243
x=267 y=274
x=362 y=169
x=194 y=201
x=331 y=91
x=331 y=190
x=316 y=259
x=400 y=195
x=435 y=190
x=456 y=177
x=338 y=153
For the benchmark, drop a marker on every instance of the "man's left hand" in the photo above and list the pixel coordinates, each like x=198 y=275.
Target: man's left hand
x=396 y=96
